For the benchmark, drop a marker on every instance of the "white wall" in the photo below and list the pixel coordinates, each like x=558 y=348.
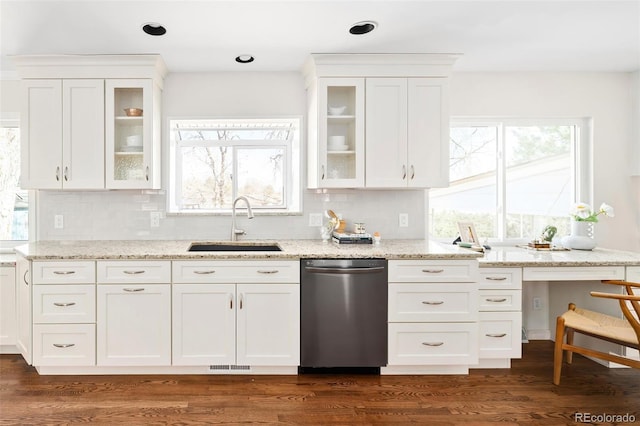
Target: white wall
x=606 y=97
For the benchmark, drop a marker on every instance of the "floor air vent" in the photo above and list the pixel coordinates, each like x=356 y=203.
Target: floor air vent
x=227 y=367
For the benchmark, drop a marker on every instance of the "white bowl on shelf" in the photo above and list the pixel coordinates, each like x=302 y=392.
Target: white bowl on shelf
x=337 y=140
x=134 y=140
x=338 y=147
x=338 y=110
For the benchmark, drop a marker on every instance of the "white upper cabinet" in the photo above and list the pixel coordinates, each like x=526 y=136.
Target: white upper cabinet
x=407 y=133
x=395 y=120
x=63 y=134
x=76 y=133
x=132 y=134
x=337 y=154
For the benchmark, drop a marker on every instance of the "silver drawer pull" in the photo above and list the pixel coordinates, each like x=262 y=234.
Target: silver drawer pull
x=272 y=271
x=433 y=271
x=134 y=272
x=432 y=302
x=495 y=278
x=496 y=335
x=64 y=304
x=133 y=290
x=204 y=272
x=496 y=300
x=64 y=272
x=63 y=345
x=433 y=343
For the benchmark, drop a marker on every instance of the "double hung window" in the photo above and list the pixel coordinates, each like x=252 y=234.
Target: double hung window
x=511 y=178
x=213 y=161
x=14 y=202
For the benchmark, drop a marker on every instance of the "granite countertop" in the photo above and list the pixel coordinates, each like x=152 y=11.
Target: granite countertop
x=7 y=259
x=523 y=257
x=291 y=249
x=498 y=256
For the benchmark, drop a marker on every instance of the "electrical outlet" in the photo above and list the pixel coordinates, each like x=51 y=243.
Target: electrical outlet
x=537 y=304
x=315 y=219
x=155 y=219
x=58 y=221
x=403 y=220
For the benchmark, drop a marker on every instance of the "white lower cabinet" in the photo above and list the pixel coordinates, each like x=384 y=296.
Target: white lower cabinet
x=433 y=316
x=64 y=344
x=134 y=324
x=224 y=324
x=500 y=305
x=134 y=317
x=8 y=314
x=63 y=313
x=23 y=309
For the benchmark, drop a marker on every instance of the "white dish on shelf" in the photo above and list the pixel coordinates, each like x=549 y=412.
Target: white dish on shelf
x=338 y=147
x=338 y=110
x=337 y=140
x=134 y=140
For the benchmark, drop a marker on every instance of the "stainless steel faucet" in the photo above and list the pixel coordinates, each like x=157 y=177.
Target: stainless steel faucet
x=235 y=232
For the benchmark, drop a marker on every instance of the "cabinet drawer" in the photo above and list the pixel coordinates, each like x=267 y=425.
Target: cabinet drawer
x=236 y=271
x=501 y=278
x=411 y=271
x=432 y=302
x=633 y=274
x=134 y=271
x=64 y=345
x=64 y=303
x=76 y=272
x=500 y=335
x=433 y=344
x=500 y=300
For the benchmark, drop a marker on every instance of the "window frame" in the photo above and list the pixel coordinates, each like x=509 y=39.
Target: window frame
x=292 y=195
x=10 y=119
x=581 y=168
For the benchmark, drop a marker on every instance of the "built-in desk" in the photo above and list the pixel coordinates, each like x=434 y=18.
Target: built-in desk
x=553 y=279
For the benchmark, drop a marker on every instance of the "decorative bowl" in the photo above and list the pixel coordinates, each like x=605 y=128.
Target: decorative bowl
x=337 y=110
x=133 y=112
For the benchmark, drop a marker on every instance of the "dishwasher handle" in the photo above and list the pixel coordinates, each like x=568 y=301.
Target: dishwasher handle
x=323 y=270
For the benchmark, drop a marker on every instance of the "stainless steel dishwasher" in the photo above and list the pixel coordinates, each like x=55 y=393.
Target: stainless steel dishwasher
x=343 y=313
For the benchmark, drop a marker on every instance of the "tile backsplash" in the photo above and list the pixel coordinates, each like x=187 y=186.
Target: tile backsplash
x=126 y=215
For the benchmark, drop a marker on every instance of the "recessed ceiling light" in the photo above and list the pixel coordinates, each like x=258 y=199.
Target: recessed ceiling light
x=154 y=29
x=363 y=27
x=244 y=59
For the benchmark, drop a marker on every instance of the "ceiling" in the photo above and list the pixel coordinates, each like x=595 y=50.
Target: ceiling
x=206 y=35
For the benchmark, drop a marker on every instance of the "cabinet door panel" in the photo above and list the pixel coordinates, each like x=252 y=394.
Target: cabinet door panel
x=134 y=324
x=204 y=326
x=386 y=132
x=8 y=324
x=428 y=133
x=83 y=134
x=41 y=135
x=268 y=321
x=23 y=307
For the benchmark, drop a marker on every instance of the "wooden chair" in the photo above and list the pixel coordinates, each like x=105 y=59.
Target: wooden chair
x=622 y=331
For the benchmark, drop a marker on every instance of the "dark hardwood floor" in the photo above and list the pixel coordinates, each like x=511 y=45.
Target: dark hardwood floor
x=519 y=396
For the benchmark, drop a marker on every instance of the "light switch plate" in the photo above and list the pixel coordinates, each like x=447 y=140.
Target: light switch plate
x=58 y=221
x=403 y=220
x=155 y=219
x=315 y=219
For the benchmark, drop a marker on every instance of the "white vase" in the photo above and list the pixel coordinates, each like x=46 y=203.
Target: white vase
x=581 y=237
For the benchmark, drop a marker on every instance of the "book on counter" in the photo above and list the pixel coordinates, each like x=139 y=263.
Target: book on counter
x=345 y=238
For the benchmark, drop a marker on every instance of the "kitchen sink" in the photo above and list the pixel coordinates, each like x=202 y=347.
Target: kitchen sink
x=233 y=246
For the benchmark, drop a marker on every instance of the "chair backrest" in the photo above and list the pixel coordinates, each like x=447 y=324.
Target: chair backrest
x=630 y=299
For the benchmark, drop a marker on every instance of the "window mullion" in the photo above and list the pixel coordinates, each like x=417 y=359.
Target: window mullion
x=501 y=183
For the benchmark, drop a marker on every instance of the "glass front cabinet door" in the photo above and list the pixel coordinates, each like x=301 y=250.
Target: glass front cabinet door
x=132 y=134
x=341 y=132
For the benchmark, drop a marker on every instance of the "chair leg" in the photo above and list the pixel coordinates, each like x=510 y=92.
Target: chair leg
x=569 y=342
x=557 y=352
